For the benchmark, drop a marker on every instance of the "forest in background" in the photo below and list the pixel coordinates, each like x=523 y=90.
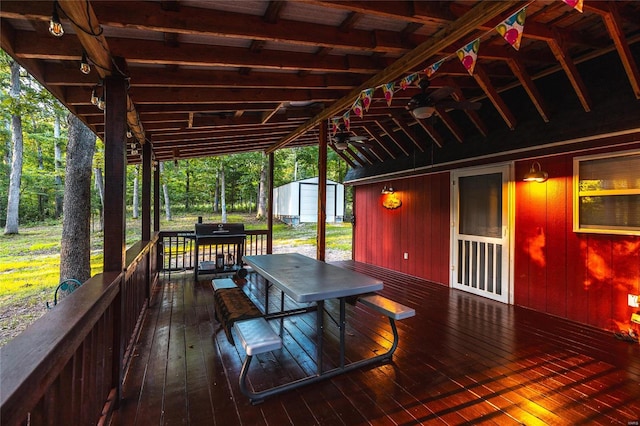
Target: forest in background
x=192 y=185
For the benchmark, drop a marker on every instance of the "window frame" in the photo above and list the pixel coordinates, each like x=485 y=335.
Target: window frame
x=578 y=227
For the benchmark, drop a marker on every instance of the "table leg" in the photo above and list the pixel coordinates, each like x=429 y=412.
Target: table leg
x=342 y=326
x=320 y=331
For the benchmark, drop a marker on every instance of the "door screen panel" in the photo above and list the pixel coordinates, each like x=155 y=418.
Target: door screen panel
x=481 y=205
x=480 y=255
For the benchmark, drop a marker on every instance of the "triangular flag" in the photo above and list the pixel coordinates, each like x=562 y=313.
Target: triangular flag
x=576 y=4
x=431 y=69
x=367 y=95
x=357 y=107
x=335 y=125
x=347 y=121
x=406 y=82
x=387 y=88
x=511 y=29
x=468 y=55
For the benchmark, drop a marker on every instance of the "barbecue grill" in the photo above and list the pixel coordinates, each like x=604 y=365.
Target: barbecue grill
x=219 y=248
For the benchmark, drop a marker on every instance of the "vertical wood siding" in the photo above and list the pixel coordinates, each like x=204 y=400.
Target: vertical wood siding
x=581 y=277
x=420 y=227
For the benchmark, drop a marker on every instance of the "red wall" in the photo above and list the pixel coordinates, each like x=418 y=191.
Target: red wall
x=420 y=227
x=582 y=277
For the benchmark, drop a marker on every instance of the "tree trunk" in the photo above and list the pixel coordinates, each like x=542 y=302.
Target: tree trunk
x=165 y=191
x=216 y=192
x=13 y=201
x=262 y=190
x=75 y=252
x=223 y=202
x=57 y=152
x=99 y=182
x=136 y=196
x=187 y=188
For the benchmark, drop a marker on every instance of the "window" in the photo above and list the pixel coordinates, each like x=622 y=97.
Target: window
x=607 y=193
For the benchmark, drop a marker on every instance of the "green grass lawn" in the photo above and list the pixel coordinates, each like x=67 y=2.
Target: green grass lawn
x=30 y=261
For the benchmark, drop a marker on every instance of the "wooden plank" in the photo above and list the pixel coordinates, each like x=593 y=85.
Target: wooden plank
x=480 y=13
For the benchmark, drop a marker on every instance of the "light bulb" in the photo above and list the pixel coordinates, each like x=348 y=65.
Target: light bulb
x=55 y=27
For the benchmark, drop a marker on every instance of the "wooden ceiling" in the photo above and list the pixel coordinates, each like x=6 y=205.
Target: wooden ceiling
x=214 y=77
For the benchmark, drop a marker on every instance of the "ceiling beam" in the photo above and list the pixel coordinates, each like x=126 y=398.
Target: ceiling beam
x=89 y=32
x=481 y=77
x=482 y=12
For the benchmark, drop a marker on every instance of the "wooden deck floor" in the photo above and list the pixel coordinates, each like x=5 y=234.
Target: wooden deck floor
x=461 y=359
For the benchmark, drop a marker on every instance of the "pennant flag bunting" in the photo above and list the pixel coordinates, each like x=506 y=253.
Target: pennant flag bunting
x=367 y=95
x=576 y=4
x=335 y=125
x=347 y=121
x=511 y=29
x=357 y=108
x=408 y=80
x=431 y=69
x=468 y=55
x=388 y=92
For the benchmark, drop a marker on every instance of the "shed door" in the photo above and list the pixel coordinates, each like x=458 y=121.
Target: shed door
x=480 y=236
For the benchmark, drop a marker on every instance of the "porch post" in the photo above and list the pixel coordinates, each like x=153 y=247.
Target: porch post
x=270 y=203
x=115 y=127
x=322 y=191
x=115 y=160
x=146 y=191
x=156 y=197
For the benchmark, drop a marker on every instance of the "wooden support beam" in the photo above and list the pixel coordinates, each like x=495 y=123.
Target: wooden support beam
x=89 y=32
x=456 y=131
x=114 y=174
x=373 y=134
x=570 y=69
x=401 y=122
x=481 y=13
x=529 y=86
x=322 y=191
x=481 y=77
x=431 y=131
x=472 y=114
x=392 y=135
x=613 y=22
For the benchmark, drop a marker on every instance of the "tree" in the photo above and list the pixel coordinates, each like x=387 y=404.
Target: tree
x=75 y=252
x=165 y=192
x=223 y=200
x=57 y=166
x=13 y=202
x=262 y=189
x=136 y=200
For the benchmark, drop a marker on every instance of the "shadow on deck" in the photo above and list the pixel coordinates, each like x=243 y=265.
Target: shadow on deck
x=462 y=358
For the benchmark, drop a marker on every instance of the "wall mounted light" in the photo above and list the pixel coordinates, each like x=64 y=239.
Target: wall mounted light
x=387 y=190
x=55 y=27
x=85 y=68
x=536 y=174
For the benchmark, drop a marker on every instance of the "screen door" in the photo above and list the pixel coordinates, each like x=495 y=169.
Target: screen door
x=480 y=237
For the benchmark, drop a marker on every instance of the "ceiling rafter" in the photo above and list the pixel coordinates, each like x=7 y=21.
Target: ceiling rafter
x=95 y=44
x=450 y=33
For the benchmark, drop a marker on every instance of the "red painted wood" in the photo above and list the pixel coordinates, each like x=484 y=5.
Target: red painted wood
x=558 y=202
x=420 y=227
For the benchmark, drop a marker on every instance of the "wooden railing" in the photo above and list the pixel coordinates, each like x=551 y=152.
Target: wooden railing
x=178 y=251
x=68 y=366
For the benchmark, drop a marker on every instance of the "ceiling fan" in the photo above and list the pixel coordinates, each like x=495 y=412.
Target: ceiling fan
x=341 y=141
x=423 y=105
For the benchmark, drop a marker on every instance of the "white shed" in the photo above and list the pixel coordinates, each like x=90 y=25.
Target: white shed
x=297 y=202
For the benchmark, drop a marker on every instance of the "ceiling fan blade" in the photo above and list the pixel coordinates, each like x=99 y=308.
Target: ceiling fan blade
x=460 y=104
x=357 y=138
x=441 y=93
